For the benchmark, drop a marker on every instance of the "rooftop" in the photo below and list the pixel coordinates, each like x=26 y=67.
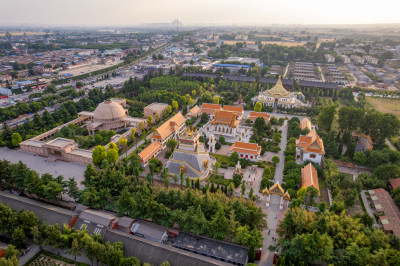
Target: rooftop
x=232 y=253
x=383 y=202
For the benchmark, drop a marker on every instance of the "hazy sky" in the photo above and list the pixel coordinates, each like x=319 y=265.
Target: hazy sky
x=248 y=12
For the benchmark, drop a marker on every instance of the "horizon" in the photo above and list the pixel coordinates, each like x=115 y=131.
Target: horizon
x=94 y=13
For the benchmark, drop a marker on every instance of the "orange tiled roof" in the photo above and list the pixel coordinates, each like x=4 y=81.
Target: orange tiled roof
x=148 y=153
x=195 y=110
x=311 y=143
x=305 y=123
x=309 y=176
x=242 y=147
x=236 y=109
x=210 y=108
x=255 y=115
x=168 y=127
x=395 y=182
x=225 y=118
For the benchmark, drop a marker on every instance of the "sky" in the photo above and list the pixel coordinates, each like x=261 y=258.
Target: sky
x=192 y=12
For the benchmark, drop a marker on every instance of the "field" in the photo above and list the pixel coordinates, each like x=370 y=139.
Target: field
x=385 y=105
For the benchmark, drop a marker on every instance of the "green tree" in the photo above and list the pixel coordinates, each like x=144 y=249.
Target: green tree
x=150 y=120
x=243 y=188
x=276 y=159
x=125 y=202
x=216 y=100
x=112 y=156
x=175 y=105
x=219 y=224
x=18 y=237
x=72 y=188
x=326 y=117
x=76 y=249
x=234 y=158
x=258 y=107
x=16 y=139
x=171 y=144
x=99 y=154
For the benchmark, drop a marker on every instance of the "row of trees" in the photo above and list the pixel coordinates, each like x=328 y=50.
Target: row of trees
x=19 y=177
x=214 y=214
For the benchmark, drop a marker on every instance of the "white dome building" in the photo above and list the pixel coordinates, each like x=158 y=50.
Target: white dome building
x=109 y=115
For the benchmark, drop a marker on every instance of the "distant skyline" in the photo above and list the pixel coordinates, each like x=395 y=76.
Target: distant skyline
x=190 y=12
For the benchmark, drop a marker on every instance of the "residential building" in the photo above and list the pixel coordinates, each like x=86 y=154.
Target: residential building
x=345 y=59
x=310 y=148
x=249 y=151
x=309 y=177
x=329 y=58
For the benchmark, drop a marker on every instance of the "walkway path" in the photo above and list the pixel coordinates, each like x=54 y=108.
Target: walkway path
x=274 y=214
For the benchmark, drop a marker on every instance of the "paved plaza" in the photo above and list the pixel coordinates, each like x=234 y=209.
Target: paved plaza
x=42 y=166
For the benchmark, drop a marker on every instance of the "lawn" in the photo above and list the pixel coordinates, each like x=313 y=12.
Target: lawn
x=385 y=105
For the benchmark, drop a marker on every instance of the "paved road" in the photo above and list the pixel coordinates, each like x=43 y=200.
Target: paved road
x=40 y=165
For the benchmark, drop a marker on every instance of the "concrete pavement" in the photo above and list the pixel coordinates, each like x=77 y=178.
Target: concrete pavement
x=274 y=214
x=42 y=166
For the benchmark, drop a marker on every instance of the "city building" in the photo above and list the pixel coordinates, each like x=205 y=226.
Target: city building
x=170 y=129
x=155 y=108
x=309 y=177
x=190 y=157
x=249 y=151
x=310 y=148
x=329 y=58
x=278 y=96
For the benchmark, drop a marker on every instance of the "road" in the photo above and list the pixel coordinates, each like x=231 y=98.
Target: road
x=286 y=70
x=322 y=73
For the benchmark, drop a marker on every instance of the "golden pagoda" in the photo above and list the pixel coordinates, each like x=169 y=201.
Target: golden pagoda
x=278 y=96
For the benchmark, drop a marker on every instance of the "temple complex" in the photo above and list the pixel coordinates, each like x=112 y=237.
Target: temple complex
x=278 y=96
x=190 y=157
x=226 y=123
